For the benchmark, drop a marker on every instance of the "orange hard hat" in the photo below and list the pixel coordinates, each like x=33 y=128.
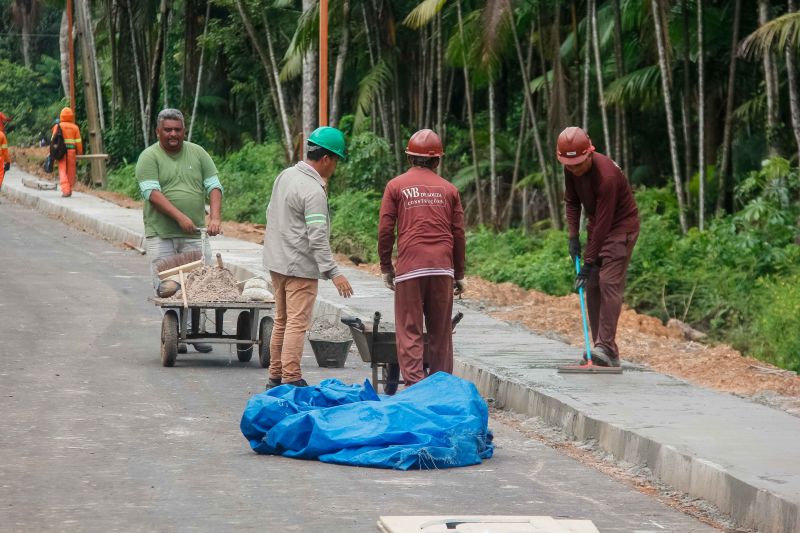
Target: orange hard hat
x=574 y=146
x=425 y=143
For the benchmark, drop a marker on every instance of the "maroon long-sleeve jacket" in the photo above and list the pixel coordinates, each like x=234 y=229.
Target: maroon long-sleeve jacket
x=606 y=195
x=426 y=210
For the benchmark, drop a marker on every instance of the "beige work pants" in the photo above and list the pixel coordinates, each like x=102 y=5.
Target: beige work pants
x=294 y=304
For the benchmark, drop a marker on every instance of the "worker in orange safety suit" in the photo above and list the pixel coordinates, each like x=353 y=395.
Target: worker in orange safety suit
x=5 y=160
x=72 y=138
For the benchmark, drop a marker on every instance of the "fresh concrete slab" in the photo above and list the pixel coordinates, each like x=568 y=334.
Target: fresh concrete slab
x=736 y=454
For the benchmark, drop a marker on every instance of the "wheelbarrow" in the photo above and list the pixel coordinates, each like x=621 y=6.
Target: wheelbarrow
x=378 y=348
x=250 y=332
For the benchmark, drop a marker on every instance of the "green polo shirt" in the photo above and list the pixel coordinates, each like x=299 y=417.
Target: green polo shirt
x=184 y=178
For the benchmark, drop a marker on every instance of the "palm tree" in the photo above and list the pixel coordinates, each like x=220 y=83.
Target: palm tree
x=782 y=33
x=673 y=143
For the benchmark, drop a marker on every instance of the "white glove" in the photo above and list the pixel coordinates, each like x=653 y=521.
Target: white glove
x=388 y=280
x=459 y=286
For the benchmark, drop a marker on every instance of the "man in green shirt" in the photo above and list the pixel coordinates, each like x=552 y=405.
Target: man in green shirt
x=174 y=178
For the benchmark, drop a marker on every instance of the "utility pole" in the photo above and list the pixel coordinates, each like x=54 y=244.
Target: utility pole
x=323 y=62
x=90 y=94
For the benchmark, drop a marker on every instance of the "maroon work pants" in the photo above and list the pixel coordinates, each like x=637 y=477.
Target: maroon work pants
x=427 y=300
x=605 y=289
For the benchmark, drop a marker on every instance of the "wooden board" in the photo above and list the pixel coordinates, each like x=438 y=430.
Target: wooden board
x=170 y=303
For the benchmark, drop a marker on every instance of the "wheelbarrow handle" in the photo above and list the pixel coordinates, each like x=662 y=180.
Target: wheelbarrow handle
x=456 y=319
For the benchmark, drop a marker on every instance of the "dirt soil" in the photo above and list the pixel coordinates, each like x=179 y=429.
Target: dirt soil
x=642 y=339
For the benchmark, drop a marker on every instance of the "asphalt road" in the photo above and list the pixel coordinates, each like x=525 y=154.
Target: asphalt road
x=97 y=436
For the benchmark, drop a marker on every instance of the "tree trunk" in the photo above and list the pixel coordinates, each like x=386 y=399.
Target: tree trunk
x=686 y=103
x=277 y=87
x=95 y=139
x=310 y=86
x=382 y=110
x=701 y=117
x=728 y=128
x=199 y=73
x=555 y=217
x=794 y=97
x=270 y=70
x=139 y=85
x=63 y=48
x=773 y=103
x=493 y=188
x=600 y=90
x=341 y=57
x=509 y=209
x=622 y=124
x=673 y=142
x=440 y=89
x=24 y=13
x=586 y=69
x=112 y=14
x=468 y=95
x=155 y=65
x=191 y=63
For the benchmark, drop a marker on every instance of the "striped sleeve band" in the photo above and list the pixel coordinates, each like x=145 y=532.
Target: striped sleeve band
x=316 y=218
x=148 y=186
x=211 y=183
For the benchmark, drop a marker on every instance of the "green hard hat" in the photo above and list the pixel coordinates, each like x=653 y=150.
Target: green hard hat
x=330 y=139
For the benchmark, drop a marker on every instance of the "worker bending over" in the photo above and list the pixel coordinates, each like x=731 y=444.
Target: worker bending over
x=426 y=211
x=595 y=183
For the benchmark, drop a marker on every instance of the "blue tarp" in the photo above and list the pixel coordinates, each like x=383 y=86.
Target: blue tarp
x=440 y=422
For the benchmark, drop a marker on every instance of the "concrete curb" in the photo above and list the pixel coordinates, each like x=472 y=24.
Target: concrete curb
x=108 y=231
x=748 y=504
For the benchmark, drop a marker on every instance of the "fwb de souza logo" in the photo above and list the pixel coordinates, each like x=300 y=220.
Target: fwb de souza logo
x=423 y=196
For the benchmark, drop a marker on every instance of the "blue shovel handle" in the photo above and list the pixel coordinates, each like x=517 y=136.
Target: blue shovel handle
x=583 y=315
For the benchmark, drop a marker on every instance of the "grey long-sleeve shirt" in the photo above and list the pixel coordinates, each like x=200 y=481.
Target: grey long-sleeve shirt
x=297 y=237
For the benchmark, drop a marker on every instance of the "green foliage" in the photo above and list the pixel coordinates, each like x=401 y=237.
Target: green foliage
x=118 y=142
x=539 y=261
x=248 y=176
x=777 y=321
x=31 y=98
x=354 y=224
x=123 y=180
x=369 y=164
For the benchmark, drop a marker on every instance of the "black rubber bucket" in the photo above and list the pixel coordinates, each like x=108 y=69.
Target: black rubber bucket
x=330 y=354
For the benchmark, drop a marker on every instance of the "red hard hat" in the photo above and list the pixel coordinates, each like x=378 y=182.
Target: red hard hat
x=574 y=146
x=425 y=143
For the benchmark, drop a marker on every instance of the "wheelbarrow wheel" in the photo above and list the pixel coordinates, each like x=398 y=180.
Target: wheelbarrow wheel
x=390 y=374
x=169 y=339
x=264 y=336
x=243 y=351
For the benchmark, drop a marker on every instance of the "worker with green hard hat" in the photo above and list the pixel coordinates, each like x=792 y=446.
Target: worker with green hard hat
x=297 y=251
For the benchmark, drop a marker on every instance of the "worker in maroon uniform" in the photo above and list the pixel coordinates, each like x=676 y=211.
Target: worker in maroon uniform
x=426 y=210
x=595 y=184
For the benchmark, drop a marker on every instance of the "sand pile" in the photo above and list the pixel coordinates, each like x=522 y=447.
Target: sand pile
x=211 y=284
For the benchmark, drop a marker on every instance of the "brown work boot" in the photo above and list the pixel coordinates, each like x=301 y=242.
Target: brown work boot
x=602 y=356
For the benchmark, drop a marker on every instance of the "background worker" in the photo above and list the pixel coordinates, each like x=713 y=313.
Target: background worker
x=72 y=137
x=426 y=209
x=595 y=183
x=5 y=160
x=297 y=251
x=175 y=176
